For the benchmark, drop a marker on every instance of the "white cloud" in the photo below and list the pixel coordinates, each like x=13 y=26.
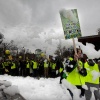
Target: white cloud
x=34 y=24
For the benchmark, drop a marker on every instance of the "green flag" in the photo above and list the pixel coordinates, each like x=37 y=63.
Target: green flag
x=70 y=23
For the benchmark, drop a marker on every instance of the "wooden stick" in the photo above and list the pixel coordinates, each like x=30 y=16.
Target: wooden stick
x=74 y=45
x=75 y=50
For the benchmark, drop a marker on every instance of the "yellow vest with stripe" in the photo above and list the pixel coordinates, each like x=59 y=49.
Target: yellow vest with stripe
x=34 y=65
x=75 y=77
x=89 y=77
x=13 y=66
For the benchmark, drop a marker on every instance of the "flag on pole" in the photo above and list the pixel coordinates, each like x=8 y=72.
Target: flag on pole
x=70 y=23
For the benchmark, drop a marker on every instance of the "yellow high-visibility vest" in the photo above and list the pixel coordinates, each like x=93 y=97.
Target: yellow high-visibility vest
x=34 y=65
x=75 y=77
x=46 y=65
x=60 y=69
x=28 y=65
x=89 y=77
x=13 y=66
x=53 y=65
x=70 y=58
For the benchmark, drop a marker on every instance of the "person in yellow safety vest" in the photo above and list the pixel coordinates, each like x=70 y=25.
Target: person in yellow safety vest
x=27 y=68
x=35 y=68
x=76 y=71
x=13 y=69
x=53 y=69
x=91 y=79
x=46 y=65
x=61 y=71
x=7 y=65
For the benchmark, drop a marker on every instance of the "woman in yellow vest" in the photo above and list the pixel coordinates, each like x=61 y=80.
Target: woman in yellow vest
x=91 y=67
x=76 y=71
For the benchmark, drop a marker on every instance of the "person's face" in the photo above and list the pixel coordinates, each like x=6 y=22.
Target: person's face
x=79 y=54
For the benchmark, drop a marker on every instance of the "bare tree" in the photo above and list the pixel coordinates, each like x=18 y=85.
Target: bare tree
x=60 y=51
x=1 y=37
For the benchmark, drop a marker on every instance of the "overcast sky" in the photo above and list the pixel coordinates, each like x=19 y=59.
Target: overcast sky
x=31 y=23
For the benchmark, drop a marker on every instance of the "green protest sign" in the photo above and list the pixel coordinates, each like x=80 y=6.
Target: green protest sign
x=70 y=23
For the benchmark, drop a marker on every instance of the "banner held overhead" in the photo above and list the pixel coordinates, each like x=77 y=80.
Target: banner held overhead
x=70 y=23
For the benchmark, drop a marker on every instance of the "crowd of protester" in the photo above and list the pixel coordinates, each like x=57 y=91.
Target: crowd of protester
x=77 y=69
x=35 y=67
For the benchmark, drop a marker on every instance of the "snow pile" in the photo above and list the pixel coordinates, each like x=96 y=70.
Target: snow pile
x=42 y=89
x=5 y=83
x=9 y=91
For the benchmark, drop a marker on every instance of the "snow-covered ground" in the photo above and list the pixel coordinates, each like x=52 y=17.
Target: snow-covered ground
x=40 y=89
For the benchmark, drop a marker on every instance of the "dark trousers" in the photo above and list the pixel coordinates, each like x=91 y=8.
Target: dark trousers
x=35 y=72
x=22 y=72
x=13 y=72
x=82 y=90
x=2 y=71
x=78 y=87
x=53 y=73
x=61 y=77
x=27 y=73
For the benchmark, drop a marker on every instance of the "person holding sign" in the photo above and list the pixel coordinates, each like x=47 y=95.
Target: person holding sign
x=75 y=67
x=76 y=71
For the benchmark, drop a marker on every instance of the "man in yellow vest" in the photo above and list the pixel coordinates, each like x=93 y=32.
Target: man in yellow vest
x=27 y=73
x=76 y=71
x=91 y=79
x=35 y=67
